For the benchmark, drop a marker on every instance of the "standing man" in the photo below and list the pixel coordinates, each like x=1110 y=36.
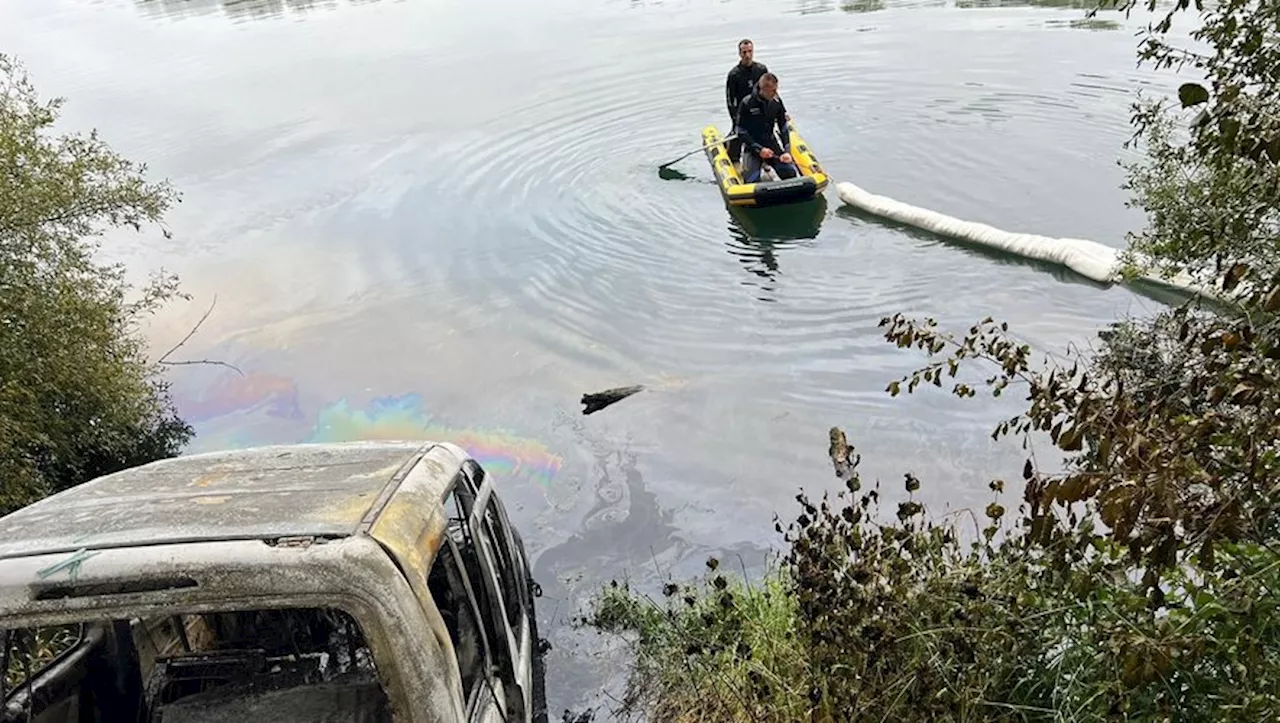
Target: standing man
x=759 y=115
x=741 y=83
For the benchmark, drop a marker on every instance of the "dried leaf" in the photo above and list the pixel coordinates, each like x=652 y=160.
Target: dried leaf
x=1072 y=489
x=1234 y=274
x=1272 y=302
x=1070 y=439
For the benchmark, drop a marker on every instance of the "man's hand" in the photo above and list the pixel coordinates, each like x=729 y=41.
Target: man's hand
x=766 y=153
x=786 y=158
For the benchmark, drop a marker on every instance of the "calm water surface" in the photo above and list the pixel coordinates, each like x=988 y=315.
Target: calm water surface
x=428 y=219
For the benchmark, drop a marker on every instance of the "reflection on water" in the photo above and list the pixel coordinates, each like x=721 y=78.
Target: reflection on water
x=242 y=9
x=232 y=393
x=813 y=7
x=1064 y=4
x=404 y=417
x=245 y=10
x=756 y=234
x=236 y=411
x=862 y=6
x=629 y=536
x=1155 y=292
x=786 y=222
x=442 y=220
x=1085 y=24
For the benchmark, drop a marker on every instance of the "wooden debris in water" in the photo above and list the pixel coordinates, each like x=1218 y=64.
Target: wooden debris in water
x=599 y=400
x=841 y=454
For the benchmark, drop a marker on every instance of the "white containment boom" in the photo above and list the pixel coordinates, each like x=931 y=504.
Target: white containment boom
x=1090 y=259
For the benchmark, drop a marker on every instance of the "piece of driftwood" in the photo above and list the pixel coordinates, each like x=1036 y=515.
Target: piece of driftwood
x=599 y=400
x=842 y=457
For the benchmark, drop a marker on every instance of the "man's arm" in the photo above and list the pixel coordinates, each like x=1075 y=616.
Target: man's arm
x=784 y=131
x=750 y=140
x=729 y=100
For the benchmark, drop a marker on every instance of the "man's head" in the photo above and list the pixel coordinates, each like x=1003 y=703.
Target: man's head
x=768 y=85
x=746 y=51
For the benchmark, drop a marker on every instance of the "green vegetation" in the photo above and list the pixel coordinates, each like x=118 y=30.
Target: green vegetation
x=736 y=639
x=28 y=651
x=78 y=396
x=1138 y=582
x=862 y=6
x=1212 y=197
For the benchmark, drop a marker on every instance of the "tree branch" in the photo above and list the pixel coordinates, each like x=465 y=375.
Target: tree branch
x=165 y=358
x=191 y=333
x=214 y=362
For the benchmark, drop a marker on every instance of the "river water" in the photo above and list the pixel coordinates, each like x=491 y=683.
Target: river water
x=432 y=220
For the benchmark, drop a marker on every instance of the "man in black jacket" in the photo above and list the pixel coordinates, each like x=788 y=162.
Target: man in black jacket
x=758 y=115
x=741 y=83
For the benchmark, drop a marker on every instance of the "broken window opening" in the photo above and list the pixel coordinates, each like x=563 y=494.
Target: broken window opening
x=308 y=664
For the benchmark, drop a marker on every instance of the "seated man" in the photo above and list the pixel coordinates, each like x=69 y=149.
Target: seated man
x=758 y=115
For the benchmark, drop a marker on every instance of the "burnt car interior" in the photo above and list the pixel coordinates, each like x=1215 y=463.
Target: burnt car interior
x=281 y=665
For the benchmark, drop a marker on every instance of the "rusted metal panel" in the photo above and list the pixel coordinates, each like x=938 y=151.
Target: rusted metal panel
x=320 y=490
x=411 y=527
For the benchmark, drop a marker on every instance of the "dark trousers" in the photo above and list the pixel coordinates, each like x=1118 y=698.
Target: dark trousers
x=735 y=145
x=752 y=165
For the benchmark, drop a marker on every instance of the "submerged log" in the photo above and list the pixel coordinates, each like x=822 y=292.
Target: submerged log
x=599 y=400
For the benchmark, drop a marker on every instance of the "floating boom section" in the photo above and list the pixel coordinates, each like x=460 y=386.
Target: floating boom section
x=1090 y=259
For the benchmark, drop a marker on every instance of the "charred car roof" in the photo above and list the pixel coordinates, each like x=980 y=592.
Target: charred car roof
x=321 y=490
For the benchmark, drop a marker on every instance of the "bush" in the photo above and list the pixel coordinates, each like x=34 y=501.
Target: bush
x=78 y=396
x=1212 y=198
x=1139 y=583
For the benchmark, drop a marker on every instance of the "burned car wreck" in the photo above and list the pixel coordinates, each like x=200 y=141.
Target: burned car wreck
x=363 y=581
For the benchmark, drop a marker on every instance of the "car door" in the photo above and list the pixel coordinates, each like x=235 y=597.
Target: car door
x=456 y=584
x=508 y=588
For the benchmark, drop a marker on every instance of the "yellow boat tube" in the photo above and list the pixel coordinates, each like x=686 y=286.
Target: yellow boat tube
x=811 y=181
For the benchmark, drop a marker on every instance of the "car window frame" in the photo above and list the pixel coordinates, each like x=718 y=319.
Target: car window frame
x=509 y=650
x=472 y=698
x=493 y=622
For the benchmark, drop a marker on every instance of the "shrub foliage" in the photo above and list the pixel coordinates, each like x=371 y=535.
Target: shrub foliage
x=1138 y=581
x=78 y=395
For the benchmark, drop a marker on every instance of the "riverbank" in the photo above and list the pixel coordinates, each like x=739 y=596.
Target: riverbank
x=1139 y=579
x=366 y=293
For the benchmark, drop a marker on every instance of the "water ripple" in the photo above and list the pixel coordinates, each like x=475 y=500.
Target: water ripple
x=610 y=253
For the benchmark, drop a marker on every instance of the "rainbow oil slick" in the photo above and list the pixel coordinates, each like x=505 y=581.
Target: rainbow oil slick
x=403 y=417
x=237 y=411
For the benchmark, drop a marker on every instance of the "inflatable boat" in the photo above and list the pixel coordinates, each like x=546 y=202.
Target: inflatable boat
x=811 y=181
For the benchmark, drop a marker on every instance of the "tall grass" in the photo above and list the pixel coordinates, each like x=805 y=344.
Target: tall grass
x=720 y=648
